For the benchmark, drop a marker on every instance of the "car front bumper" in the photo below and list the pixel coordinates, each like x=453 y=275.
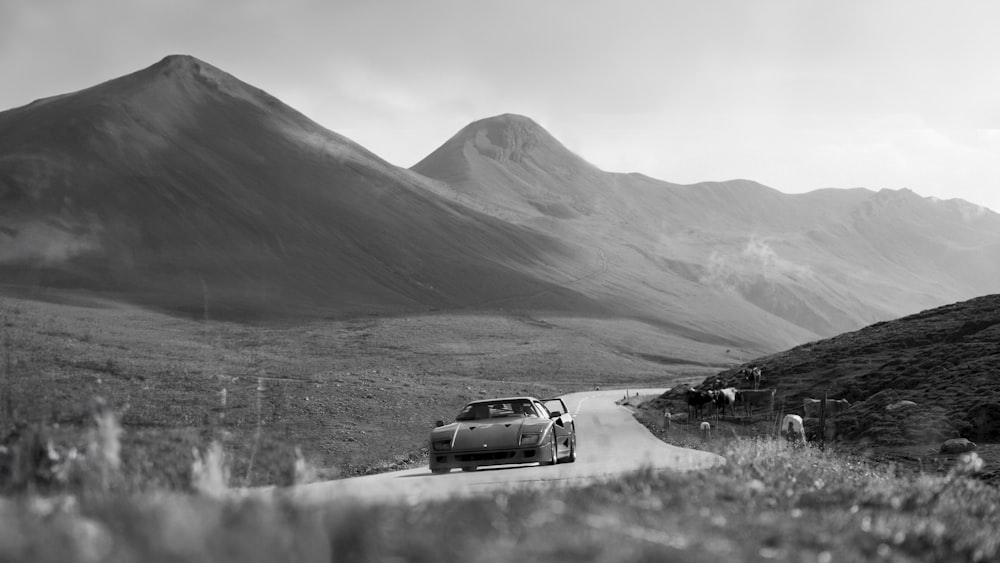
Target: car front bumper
x=473 y=458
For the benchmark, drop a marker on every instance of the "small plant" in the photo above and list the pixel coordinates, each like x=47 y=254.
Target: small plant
x=210 y=471
x=305 y=472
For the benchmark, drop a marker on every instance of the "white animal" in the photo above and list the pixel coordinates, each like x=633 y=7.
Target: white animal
x=792 y=430
x=706 y=430
x=725 y=399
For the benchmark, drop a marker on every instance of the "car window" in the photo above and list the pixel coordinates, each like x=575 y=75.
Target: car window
x=531 y=409
x=474 y=411
x=555 y=405
x=544 y=412
x=498 y=409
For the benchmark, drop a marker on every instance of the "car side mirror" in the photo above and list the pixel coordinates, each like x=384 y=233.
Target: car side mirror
x=555 y=414
x=439 y=423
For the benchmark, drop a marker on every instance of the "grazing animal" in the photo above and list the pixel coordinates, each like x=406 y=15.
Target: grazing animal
x=696 y=401
x=957 y=446
x=725 y=398
x=811 y=407
x=753 y=376
x=706 y=431
x=792 y=430
x=755 y=397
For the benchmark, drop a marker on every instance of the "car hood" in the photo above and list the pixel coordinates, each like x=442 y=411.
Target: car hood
x=497 y=433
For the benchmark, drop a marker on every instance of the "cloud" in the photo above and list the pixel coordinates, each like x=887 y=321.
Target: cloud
x=40 y=242
x=734 y=269
x=796 y=95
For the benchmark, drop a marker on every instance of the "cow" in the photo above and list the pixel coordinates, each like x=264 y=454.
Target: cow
x=759 y=397
x=706 y=431
x=725 y=398
x=696 y=401
x=753 y=376
x=811 y=407
x=792 y=430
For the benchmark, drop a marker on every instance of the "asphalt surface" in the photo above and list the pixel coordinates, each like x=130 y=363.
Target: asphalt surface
x=609 y=443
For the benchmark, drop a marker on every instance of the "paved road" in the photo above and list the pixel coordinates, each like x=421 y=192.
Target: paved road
x=609 y=442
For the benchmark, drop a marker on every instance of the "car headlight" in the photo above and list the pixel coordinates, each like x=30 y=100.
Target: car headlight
x=530 y=439
x=441 y=445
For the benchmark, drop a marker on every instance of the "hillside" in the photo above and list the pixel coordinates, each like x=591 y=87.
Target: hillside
x=946 y=360
x=735 y=259
x=181 y=187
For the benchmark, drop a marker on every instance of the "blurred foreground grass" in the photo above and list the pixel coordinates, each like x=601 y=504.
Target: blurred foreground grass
x=770 y=502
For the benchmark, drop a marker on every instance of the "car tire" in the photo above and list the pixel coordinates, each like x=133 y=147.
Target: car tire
x=555 y=452
x=470 y=468
x=572 y=451
x=440 y=470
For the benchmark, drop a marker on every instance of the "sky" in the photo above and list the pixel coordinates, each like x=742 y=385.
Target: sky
x=795 y=94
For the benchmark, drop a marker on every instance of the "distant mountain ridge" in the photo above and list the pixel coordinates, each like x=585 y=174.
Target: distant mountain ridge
x=826 y=261
x=179 y=186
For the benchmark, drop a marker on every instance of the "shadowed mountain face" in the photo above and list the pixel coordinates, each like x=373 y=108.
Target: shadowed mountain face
x=944 y=360
x=736 y=258
x=180 y=185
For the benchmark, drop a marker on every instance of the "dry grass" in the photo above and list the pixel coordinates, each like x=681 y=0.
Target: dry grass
x=945 y=360
x=769 y=502
x=164 y=426
x=351 y=396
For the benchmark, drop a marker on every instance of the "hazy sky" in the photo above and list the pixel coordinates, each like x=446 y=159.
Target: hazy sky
x=795 y=94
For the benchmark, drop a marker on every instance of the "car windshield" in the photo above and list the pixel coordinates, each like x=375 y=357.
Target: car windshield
x=496 y=409
x=553 y=405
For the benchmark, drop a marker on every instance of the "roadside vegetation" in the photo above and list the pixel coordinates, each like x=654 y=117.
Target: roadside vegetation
x=350 y=396
x=770 y=502
x=124 y=433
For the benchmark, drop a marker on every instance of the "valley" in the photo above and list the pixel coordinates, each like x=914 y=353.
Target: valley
x=356 y=395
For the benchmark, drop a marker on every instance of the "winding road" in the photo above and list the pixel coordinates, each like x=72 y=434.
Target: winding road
x=609 y=443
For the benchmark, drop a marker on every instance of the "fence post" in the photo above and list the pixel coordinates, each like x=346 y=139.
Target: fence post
x=822 y=422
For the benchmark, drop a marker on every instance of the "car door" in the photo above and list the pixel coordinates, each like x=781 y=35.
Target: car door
x=564 y=427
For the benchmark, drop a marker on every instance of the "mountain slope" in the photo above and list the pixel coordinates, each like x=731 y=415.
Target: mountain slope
x=737 y=258
x=179 y=185
x=182 y=187
x=946 y=360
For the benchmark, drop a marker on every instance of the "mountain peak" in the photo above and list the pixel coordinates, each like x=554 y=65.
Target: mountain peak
x=185 y=68
x=179 y=61
x=507 y=137
x=509 y=120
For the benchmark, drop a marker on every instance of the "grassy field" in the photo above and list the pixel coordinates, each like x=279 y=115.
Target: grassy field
x=770 y=502
x=139 y=398
x=352 y=395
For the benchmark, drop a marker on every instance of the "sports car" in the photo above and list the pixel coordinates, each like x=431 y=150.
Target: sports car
x=504 y=431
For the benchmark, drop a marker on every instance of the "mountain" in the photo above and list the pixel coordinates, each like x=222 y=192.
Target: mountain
x=180 y=186
x=735 y=258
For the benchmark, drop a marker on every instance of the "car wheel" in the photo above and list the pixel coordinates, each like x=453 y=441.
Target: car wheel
x=555 y=452
x=440 y=470
x=572 y=450
x=470 y=468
